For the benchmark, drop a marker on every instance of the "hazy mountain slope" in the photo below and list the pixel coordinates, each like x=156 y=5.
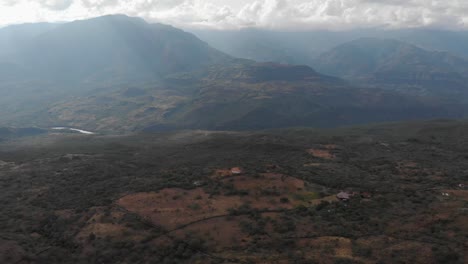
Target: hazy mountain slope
x=97 y=55
x=454 y=42
x=13 y=38
x=113 y=48
x=302 y=47
x=243 y=95
x=254 y=44
x=11 y=133
x=394 y=63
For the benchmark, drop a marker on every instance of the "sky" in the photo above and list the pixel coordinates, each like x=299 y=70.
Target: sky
x=267 y=14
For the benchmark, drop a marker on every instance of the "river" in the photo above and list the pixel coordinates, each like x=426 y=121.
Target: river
x=74 y=129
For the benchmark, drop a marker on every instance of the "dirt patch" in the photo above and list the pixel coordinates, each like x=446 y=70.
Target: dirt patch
x=220 y=233
x=407 y=248
x=226 y=173
x=220 y=173
x=460 y=194
x=340 y=245
x=328 y=248
x=171 y=208
x=322 y=153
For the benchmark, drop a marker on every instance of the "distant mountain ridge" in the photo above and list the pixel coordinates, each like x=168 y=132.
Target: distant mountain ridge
x=387 y=62
x=302 y=47
x=114 y=47
x=119 y=74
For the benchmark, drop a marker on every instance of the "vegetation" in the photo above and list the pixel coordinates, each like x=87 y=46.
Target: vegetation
x=62 y=198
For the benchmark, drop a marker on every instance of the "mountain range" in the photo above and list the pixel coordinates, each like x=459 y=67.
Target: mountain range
x=119 y=74
x=392 y=63
x=302 y=47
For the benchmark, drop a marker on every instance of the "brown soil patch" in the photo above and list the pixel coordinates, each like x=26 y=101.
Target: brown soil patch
x=172 y=208
x=424 y=252
x=221 y=173
x=220 y=233
x=322 y=153
x=460 y=194
x=328 y=248
x=341 y=245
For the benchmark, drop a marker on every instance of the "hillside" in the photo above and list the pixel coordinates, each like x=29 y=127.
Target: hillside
x=55 y=62
x=14 y=38
x=8 y=133
x=395 y=64
x=225 y=197
x=118 y=74
x=240 y=96
x=112 y=48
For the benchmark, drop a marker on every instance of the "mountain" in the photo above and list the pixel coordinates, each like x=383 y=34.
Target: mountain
x=54 y=62
x=454 y=42
x=119 y=74
x=258 y=45
x=392 y=63
x=117 y=48
x=9 y=132
x=13 y=38
x=301 y=47
x=242 y=95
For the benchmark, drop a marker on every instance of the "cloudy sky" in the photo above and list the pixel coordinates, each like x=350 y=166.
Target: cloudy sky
x=231 y=14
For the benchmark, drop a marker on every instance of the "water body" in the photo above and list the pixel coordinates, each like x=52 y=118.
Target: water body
x=74 y=129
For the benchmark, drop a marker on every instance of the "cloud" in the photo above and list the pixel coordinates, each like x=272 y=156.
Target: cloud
x=97 y=4
x=273 y=14
x=56 y=4
x=8 y=2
